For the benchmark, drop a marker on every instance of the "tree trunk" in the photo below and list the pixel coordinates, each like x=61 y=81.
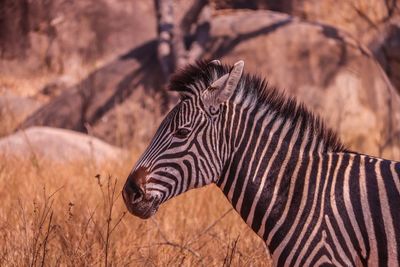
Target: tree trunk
x=14 y=28
x=165 y=28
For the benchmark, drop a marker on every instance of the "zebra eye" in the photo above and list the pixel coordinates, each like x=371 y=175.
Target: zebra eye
x=182 y=133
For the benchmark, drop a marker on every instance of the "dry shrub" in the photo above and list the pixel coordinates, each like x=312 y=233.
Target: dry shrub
x=53 y=215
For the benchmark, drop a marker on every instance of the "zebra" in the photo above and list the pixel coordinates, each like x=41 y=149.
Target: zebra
x=312 y=200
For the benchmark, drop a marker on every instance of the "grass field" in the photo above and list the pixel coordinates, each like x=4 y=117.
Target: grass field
x=63 y=215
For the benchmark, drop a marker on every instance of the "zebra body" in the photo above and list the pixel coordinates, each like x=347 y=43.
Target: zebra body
x=312 y=201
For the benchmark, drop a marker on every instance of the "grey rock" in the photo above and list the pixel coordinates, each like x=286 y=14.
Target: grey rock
x=57 y=145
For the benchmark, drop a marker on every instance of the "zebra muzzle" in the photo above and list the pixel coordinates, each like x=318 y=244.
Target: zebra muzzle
x=138 y=202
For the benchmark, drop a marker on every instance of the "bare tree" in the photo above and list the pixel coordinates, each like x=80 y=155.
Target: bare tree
x=14 y=28
x=172 y=50
x=165 y=22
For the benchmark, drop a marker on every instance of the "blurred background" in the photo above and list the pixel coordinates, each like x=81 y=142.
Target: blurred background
x=82 y=90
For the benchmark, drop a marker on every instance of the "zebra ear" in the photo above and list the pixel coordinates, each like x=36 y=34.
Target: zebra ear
x=222 y=89
x=216 y=62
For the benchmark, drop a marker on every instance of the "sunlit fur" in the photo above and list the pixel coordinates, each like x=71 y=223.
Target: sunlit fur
x=289 y=177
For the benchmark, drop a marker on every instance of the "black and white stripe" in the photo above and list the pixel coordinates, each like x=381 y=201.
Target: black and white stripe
x=289 y=177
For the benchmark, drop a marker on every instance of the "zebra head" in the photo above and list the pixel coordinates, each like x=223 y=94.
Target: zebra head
x=186 y=151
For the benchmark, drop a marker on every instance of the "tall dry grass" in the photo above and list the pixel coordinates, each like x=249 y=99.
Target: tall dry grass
x=59 y=215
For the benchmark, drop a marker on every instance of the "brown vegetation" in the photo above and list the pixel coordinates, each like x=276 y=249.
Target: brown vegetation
x=56 y=215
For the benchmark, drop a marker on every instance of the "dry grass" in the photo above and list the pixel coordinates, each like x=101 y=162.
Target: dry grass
x=54 y=215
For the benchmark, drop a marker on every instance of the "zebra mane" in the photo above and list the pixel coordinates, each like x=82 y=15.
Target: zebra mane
x=195 y=78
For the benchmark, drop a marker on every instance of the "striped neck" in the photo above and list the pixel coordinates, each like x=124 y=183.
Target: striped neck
x=263 y=146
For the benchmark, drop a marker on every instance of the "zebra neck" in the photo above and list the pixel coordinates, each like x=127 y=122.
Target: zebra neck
x=265 y=152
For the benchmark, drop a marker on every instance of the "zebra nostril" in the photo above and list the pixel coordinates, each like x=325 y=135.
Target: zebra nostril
x=134 y=186
x=136 y=197
x=132 y=192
